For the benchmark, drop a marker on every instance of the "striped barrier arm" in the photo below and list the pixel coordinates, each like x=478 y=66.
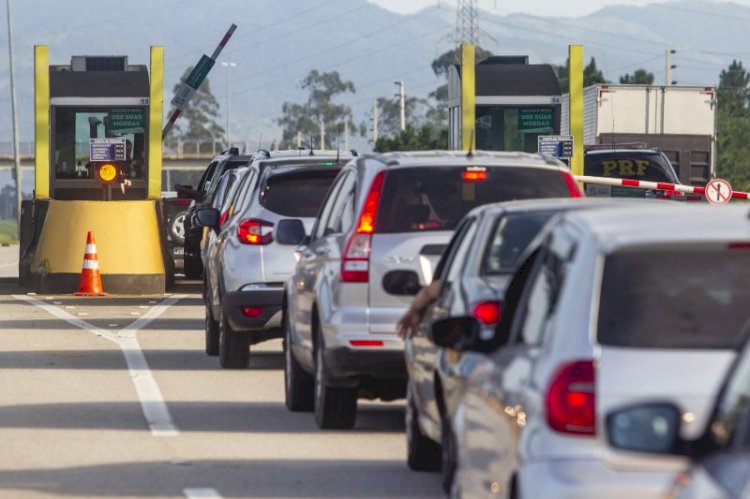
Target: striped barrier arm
x=663 y=186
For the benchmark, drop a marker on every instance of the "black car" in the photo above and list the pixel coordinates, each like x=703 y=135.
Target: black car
x=227 y=160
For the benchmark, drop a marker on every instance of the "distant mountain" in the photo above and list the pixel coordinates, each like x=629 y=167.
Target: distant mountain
x=278 y=42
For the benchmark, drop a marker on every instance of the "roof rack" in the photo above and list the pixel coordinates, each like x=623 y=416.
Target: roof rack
x=616 y=145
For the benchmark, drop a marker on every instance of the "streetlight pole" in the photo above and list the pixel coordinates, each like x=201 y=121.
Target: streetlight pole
x=14 y=105
x=228 y=65
x=402 y=103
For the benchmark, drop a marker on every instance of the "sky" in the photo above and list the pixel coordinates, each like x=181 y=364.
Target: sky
x=571 y=8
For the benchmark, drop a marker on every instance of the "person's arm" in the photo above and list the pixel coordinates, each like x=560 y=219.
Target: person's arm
x=409 y=323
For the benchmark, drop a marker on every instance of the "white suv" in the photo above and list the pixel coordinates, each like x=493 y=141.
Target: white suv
x=617 y=306
x=378 y=238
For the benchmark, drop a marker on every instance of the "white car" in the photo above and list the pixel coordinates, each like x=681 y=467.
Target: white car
x=615 y=307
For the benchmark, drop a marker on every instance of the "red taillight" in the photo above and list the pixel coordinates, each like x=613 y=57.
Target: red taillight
x=474 y=175
x=366 y=343
x=355 y=265
x=183 y=201
x=571 y=184
x=571 y=402
x=488 y=312
x=255 y=232
x=252 y=312
x=223 y=218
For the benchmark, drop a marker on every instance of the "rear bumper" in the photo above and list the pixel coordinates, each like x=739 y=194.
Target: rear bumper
x=589 y=479
x=343 y=362
x=270 y=299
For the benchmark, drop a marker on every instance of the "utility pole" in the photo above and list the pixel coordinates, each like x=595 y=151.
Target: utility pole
x=322 y=136
x=14 y=106
x=374 y=122
x=668 y=67
x=299 y=139
x=229 y=66
x=346 y=135
x=402 y=98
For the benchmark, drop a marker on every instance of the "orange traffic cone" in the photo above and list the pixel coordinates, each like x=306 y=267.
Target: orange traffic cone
x=91 y=278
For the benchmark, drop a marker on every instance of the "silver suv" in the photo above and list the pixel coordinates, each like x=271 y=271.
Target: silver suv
x=377 y=239
x=272 y=208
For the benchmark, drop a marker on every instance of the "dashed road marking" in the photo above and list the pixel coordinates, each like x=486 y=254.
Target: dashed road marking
x=201 y=493
x=152 y=401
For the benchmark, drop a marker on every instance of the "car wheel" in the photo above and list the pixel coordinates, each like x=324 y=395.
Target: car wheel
x=335 y=407
x=422 y=454
x=193 y=267
x=212 y=332
x=177 y=228
x=447 y=454
x=298 y=385
x=234 y=347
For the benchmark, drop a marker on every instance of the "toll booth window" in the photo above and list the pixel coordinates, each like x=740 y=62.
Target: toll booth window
x=75 y=126
x=505 y=128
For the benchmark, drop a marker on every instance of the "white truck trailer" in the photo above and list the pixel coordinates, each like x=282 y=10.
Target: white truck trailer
x=679 y=120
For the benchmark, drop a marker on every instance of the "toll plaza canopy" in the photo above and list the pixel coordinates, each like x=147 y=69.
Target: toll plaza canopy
x=515 y=103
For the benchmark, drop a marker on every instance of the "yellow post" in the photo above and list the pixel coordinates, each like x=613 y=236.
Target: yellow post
x=155 y=110
x=41 y=121
x=468 y=97
x=575 y=80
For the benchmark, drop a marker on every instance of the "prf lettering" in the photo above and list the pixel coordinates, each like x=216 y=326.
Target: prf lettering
x=625 y=167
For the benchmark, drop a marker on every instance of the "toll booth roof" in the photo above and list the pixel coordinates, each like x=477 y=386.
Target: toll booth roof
x=498 y=78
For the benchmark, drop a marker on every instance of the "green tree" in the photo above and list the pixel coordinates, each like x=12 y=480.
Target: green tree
x=591 y=75
x=733 y=90
x=639 y=77
x=733 y=127
x=307 y=118
x=389 y=113
x=198 y=121
x=424 y=138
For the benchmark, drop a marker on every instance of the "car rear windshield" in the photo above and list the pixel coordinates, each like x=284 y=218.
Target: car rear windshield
x=675 y=298
x=648 y=167
x=436 y=198
x=511 y=236
x=297 y=194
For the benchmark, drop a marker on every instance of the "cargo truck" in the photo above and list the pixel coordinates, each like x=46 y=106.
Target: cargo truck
x=678 y=120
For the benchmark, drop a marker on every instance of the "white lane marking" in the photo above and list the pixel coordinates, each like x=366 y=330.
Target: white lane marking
x=201 y=493
x=152 y=401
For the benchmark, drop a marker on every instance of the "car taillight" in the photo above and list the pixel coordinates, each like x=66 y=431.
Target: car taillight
x=255 y=232
x=355 y=265
x=223 y=218
x=571 y=402
x=252 y=312
x=570 y=182
x=488 y=312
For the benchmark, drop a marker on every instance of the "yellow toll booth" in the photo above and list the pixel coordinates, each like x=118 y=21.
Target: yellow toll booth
x=98 y=168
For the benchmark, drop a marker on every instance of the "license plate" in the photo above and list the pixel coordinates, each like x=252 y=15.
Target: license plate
x=178 y=251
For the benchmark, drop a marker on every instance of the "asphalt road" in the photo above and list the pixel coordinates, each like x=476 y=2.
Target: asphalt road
x=82 y=414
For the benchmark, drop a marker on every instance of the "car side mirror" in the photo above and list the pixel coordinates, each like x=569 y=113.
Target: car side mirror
x=457 y=333
x=290 y=231
x=208 y=217
x=652 y=428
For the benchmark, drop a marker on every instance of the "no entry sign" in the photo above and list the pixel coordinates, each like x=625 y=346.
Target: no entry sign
x=718 y=191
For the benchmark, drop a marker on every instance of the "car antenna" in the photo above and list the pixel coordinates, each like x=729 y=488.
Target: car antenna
x=470 y=154
x=312 y=153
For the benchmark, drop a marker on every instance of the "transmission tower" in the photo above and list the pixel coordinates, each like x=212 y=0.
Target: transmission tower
x=467 y=21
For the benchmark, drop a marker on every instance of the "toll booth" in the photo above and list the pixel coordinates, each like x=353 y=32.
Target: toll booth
x=98 y=168
x=515 y=102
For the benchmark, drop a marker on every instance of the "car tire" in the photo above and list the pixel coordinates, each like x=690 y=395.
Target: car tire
x=212 y=332
x=422 y=453
x=177 y=228
x=299 y=386
x=447 y=454
x=193 y=267
x=234 y=347
x=335 y=407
